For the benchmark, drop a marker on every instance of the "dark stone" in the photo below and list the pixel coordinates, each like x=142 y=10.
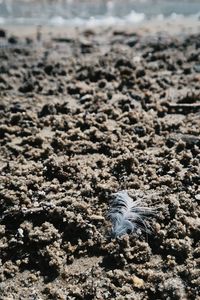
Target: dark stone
x=187 y=70
x=123 y=62
x=2 y=33
x=170 y=67
x=13 y=40
x=37 y=71
x=86 y=49
x=62 y=72
x=16 y=108
x=139 y=130
x=27 y=87
x=51 y=92
x=131 y=42
x=72 y=89
x=140 y=73
x=135 y=96
x=29 y=41
x=109 y=76
x=102 y=84
x=48 y=109
x=63 y=40
x=48 y=69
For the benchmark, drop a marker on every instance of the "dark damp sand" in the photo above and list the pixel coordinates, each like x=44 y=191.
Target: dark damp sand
x=84 y=114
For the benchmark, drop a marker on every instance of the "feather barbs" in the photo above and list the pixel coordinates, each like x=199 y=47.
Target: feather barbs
x=127 y=215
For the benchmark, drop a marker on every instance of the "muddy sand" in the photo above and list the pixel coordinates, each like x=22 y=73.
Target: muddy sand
x=84 y=115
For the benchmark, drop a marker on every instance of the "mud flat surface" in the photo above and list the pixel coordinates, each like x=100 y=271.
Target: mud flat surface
x=83 y=115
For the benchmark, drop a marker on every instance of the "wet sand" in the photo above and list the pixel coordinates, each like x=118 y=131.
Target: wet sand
x=84 y=114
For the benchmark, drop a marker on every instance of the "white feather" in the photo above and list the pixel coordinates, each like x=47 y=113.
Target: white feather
x=127 y=215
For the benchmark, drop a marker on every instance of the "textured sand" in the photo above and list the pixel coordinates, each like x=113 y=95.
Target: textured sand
x=83 y=115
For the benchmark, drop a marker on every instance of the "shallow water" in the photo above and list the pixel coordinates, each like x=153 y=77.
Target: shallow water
x=75 y=12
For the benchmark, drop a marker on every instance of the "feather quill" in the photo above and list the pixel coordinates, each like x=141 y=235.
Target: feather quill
x=127 y=215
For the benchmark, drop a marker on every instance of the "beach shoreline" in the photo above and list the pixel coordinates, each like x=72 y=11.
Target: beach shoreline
x=181 y=25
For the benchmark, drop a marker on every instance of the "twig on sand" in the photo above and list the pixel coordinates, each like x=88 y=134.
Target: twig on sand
x=184 y=106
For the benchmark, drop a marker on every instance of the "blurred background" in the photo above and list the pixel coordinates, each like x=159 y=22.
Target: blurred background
x=94 y=12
